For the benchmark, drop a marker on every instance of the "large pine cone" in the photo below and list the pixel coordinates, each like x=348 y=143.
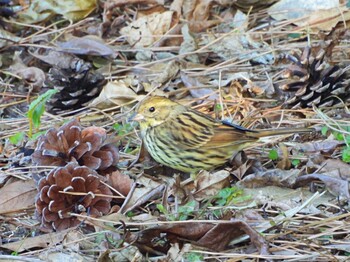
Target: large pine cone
x=73 y=143
x=313 y=81
x=77 y=87
x=54 y=204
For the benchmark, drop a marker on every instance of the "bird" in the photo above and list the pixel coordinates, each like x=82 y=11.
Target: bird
x=188 y=140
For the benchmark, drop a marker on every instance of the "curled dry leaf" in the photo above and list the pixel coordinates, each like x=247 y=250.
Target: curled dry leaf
x=116 y=93
x=191 y=83
x=58 y=59
x=341 y=168
x=275 y=177
x=316 y=15
x=208 y=184
x=69 y=9
x=17 y=196
x=241 y=47
x=87 y=45
x=120 y=182
x=67 y=190
x=337 y=186
x=213 y=236
x=148 y=29
x=73 y=143
x=32 y=75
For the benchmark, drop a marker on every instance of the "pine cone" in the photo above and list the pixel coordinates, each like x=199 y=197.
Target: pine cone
x=313 y=81
x=72 y=143
x=77 y=87
x=55 y=201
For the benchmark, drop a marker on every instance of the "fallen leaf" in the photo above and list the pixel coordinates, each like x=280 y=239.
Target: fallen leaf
x=87 y=45
x=69 y=9
x=143 y=190
x=148 y=29
x=205 y=234
x=17 y=196
x=120 y=182
x=338 y=187
x=275 y=177
x=115 y=93
x=209 y=184
x=42 y=241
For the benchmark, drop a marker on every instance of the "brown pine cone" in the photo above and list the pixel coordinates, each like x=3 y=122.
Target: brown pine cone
x=54 y=204
x=77 y=87
x=73 y=143
x=314 y=81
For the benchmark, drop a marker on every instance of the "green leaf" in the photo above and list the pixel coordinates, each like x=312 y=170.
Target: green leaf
x=346 y=155
x=37 y=108
x=294 y=35
x=186 y=210
x=36 y=135
x=273 y=154
x=194 y=257
x=17 y=138
x=295 y=162
x=226 y=195
x=123 y=129
x=161 y=208
x=324 y=130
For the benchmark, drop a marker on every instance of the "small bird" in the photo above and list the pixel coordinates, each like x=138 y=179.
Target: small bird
x=187 y=140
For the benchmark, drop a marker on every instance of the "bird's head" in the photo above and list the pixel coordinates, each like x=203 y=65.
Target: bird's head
x=155 y=110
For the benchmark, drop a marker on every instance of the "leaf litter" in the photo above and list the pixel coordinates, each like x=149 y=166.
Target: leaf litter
x=80 y=72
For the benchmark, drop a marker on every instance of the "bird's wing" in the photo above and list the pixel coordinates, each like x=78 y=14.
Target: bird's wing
x=231 y=135
x=188 y=130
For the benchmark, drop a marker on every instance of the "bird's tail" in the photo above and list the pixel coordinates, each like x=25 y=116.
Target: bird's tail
x=276 y=132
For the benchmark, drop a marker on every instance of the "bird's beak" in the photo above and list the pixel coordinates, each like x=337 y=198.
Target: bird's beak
x=137 y=117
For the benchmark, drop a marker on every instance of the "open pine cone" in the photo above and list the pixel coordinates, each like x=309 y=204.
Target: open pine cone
x=55 y=201
x=313 y=81
x=77 y=87
x=73 y=143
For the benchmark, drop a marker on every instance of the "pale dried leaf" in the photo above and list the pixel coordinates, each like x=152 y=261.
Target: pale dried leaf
x=69 y=9
x=209 y=184
x=114 y=93
x=17 y=196
x=148 y=29
x=87 y=45
x=41 y=241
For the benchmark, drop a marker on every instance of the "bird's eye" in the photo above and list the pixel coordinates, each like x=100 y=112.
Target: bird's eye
x=152 y=109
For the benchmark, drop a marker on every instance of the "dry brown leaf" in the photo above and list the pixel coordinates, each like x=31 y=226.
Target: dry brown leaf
x=285 y=163
x=146 y=190
x=43 y=241
x=191 y=83
x=338 y=187
x=275 y=177
x=17 y=196
x=115 y=93
x=148 y=29
x=32 y=75
x=120 y=182
x=213 y=236
x=315 y=15
x=326 y=146
x=209 y=184
x=87 y=45
x=341 y=168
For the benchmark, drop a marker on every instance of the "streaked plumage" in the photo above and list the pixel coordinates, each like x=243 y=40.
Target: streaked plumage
x=188 y=140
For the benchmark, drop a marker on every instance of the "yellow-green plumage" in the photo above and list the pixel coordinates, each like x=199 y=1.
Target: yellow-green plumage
x=187 y=140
